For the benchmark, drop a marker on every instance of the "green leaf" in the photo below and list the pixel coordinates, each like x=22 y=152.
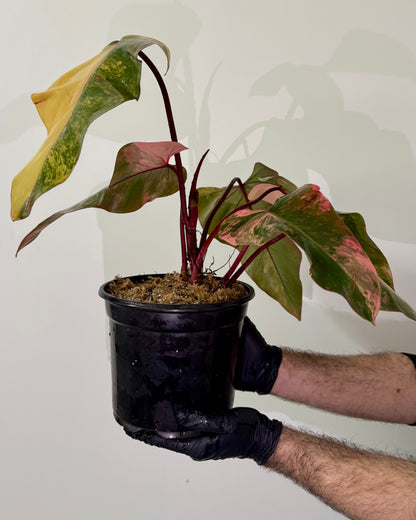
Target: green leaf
x=69 y=106
x=141 y=174
x=276 y=271
x=338 y=261
x=262 y=175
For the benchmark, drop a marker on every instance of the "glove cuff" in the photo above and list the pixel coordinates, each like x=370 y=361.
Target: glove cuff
x=269 y=370
x=266 y=439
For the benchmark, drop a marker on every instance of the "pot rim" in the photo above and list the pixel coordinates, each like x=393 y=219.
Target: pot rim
x=173 y=307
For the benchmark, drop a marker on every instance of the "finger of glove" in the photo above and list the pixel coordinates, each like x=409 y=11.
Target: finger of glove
x=249 y=355
x=209 y=423
x=154 y=439
x=253 y=338
x=195 y=448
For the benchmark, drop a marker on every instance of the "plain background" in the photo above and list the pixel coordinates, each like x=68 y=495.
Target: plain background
x=324 y=92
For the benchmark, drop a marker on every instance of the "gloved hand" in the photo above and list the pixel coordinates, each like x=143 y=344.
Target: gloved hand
x=239 y=432
x=257 y=363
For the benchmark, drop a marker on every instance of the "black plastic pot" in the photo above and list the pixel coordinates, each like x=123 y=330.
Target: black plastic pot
x=162 y=355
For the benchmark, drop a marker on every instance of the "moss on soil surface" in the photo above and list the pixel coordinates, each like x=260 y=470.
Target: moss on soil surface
x=175 y=289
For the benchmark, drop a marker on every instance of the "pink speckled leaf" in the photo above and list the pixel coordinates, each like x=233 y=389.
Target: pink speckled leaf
x=338 y=261
x=356 y=224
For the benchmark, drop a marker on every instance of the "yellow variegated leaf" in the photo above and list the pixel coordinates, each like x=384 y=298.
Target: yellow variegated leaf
x=69 y=106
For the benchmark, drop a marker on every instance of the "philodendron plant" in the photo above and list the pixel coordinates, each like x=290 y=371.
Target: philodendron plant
x=266 y=218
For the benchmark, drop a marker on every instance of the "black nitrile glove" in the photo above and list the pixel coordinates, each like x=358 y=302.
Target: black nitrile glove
x=257 y=363
x=240 y=432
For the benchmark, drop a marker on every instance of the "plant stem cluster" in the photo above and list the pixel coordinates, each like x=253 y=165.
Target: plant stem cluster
x=193 y=253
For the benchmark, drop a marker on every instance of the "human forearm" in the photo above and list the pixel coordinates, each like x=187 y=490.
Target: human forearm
x=380 y=387
x=360 y=484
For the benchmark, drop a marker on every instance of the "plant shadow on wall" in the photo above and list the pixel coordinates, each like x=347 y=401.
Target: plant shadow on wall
x=157 y=19
x=347 y=148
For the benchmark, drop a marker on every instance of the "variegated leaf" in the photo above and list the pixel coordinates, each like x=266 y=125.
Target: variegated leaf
x=390 y=300
x=262 y=175
x=338 y=261
x=69 y=106
x=356 y=224
x=141 y=174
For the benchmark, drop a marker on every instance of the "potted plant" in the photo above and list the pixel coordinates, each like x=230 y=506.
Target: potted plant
x=167 y=349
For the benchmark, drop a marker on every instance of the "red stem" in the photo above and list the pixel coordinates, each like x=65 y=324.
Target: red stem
x=230 y=271
x=214 y=232
x=193 y=214
x=243 y=267
x=196 y=174
x=184 y=221
x=218 y=205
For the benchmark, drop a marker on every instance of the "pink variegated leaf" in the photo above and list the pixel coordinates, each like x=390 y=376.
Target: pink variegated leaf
x=135 y=158
x=356 y=224
x=338 y=261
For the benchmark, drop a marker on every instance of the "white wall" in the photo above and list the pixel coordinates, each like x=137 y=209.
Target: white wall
x=329 y=89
